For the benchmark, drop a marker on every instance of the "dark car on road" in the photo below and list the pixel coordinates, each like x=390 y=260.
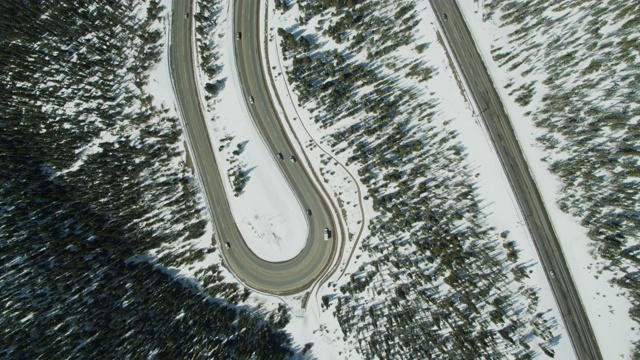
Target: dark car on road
x=309 y=212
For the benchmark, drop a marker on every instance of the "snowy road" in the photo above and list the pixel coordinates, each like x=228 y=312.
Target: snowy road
x=286 y=277
x=516 y=168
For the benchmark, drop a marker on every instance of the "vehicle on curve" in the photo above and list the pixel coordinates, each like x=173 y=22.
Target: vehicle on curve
x=228 y=245
x=293 y=159
x=309 y=212
x=552 y=273
x=239 y=36
x=251 y=99
x=327 y=234
x=444 y=17
x=280 y=157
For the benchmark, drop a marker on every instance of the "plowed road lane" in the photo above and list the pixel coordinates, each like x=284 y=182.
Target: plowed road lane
x=517 y=170
x=286 y=277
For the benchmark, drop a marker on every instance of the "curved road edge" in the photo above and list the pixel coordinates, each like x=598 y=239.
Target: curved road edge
x=345 y=237
x=290 y=277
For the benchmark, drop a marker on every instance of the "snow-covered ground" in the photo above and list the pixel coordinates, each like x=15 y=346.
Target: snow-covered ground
x=273 y=223
x=267 y=213
x=500 y=204
x=343 y=184
x=161 y=87
x=313 y=324
x=606 y=308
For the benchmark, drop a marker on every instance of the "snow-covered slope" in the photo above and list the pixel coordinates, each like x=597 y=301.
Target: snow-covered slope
x=105 y=249
x=568 y=75
x=445 y=247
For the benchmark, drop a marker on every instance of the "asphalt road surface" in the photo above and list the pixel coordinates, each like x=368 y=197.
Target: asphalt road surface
x=516 y=168
x=283 y=278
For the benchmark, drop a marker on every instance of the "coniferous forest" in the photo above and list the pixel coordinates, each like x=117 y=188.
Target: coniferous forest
x=90 y=185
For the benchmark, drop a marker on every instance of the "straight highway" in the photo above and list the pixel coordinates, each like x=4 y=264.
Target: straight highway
x=520 y=179
x=288 y=277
